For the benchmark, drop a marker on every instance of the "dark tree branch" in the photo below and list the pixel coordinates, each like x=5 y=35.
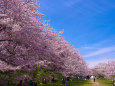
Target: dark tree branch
x=6 y=40
x=3 y=28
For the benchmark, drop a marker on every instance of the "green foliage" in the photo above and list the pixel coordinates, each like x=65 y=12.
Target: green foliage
x=58 y=76
x=11 y=76
x=39 y=74
x=8 y=75
x=19 y=72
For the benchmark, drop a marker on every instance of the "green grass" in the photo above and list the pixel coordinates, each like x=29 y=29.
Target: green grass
x=106 y=82
x=72 y=83
x=59 y=83
x=80 y=83
x=40 y=75
x=9 y=85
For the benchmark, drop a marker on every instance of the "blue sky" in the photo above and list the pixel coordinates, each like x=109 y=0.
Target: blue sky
x=89 y=25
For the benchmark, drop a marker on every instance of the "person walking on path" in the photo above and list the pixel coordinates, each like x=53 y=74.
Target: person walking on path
x=30 y=83
x=8 y=84
x=113 y=82
x=68 y=81
x=94 y=79
x=63 y=81
x=26 y=83
x=20 y=83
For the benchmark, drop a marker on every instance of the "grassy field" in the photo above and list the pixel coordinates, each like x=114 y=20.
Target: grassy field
x=72 y=83
x=107 y=82
x=80 y=83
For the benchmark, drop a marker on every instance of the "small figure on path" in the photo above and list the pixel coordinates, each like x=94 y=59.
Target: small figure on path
x=44 y=81
x=20 y=83
x=94 y=79
x=113 y=82
x=63 y=81
x=88 y=77
x=26 y=83
x=34 y=84
x=8 y=83
x=68 y=79
x=53 y=80
x=30 y=83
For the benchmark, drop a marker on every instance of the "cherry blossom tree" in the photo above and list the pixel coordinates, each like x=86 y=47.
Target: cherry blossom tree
x=111 y=70
x=100 y=70
x=26 y=41
x=106 y=70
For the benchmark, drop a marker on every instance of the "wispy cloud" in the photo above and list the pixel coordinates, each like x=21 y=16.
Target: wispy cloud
x=87 y=48
x=93 y=63
x=69 y=3
x=101 y=51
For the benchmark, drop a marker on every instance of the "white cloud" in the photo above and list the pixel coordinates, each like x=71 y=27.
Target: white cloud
x=87 y=48
x=101 y=51
x=93 y=63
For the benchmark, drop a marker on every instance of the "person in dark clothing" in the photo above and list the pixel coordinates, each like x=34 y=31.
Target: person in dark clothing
x=30 y=83
x=8 y=83
x=26 y=83
x=68 y=79
x=44 y=81
x=53 y=80
x=34 y=84
x=94 y=79
x=63 y=81
x=88 y=77
x=20 y=83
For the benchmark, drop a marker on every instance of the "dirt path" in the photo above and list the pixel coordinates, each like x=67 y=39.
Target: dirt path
x=95 y=83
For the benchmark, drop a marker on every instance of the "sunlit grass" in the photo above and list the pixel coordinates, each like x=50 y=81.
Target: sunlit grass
x=106 y=82
x=72 y=83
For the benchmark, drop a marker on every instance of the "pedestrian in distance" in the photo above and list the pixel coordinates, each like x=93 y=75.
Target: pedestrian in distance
x=8 y=84
x=30 y=83
x=26 y=83
x=63 y=81
x=94 y=79
x=20 y=83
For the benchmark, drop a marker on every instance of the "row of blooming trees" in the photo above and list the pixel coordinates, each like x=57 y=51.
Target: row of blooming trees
x=25 y=41
x=105 y=70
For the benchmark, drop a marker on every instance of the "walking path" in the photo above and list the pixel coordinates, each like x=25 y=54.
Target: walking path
x=95 y=83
